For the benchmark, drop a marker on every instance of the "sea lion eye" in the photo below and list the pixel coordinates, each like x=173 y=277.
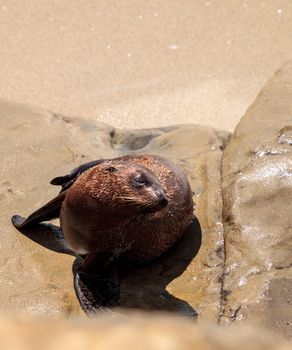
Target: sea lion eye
x=111 y=169
x=139 y=180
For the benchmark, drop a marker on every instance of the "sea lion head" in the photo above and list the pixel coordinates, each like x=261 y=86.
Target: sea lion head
x=126 y=189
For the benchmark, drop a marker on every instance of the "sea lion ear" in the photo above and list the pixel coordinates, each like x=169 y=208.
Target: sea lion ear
x=67 y=180
x=111 y=169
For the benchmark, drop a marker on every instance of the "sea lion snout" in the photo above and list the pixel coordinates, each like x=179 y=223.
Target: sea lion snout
x=162 y=199
x=159 y=201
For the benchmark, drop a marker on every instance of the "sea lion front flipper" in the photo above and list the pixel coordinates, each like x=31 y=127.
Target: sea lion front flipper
x=49 y=211
x=47 y=235
x=97 y=292
x=67 y=180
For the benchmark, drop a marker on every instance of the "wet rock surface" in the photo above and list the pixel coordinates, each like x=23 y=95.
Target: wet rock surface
x=39 y=145
x=257 y=197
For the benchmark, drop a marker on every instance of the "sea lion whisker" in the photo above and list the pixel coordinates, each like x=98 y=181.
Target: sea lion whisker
x=123 y=197
x=127 y=199
x=152 y=205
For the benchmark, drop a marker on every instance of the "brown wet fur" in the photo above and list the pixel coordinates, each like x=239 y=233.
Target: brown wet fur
x=103 y=213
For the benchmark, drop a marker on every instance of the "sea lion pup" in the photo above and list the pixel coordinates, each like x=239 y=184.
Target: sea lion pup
x=133 y=207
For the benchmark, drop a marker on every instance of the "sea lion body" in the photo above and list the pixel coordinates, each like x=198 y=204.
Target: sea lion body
x=134 y=207
x=94 y=221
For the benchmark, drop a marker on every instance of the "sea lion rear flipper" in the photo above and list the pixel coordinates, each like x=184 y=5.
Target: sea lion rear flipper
x=96 y=292
x=49 y=211
x=67 y=180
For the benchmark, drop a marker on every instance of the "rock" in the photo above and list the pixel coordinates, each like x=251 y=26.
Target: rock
x=37 y=145
x=257 y=197
x=160 y=333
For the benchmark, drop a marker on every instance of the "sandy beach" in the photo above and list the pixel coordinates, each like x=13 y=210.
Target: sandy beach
x=142 y=64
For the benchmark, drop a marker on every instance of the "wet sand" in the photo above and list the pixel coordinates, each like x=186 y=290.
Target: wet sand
x=143 y=64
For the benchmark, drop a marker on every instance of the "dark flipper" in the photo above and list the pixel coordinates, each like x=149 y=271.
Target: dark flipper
x=67 y=180
x=49 y=211
x=96 y=291
x=47 y=235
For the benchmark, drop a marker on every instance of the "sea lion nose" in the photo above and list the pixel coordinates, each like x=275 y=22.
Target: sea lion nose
x=163 y=201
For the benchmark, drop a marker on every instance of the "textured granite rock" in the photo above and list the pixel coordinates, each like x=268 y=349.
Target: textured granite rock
x=145 y=333
x=39 y=145
x=257 y=197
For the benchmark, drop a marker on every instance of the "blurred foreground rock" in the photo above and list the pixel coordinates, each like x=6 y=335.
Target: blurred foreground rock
x=155 y=333
x=257 y=194
x=37 y=146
